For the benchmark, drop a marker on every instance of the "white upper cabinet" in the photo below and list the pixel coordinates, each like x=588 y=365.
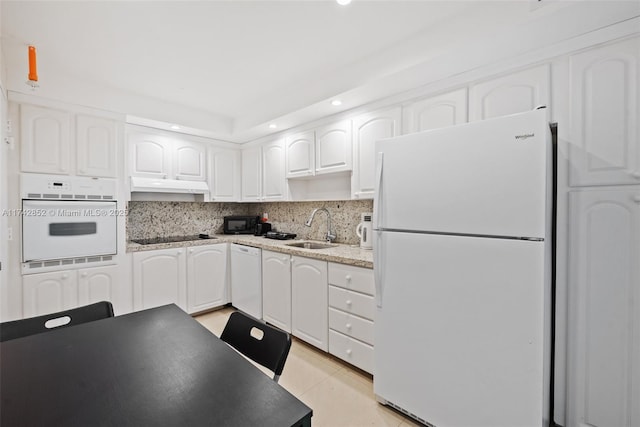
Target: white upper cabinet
x=274 y=183
x=224 y=174
x=150 y=157
x=46 y=140
x=301 y=154
x=166 y=157
x=333 y=148
x=50 y=144
x=252 y=174
x=189 y=160
x=263 y=172
x=96 y=146
x=605 y=93
x=326 y=149
x=514 y=93
x=367 y=129
x=435 y=112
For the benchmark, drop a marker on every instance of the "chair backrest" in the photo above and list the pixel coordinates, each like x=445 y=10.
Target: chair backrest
x=262 y=343
x=48 y=322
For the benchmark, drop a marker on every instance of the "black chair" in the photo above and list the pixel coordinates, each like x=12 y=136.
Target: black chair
x=260 y=342
x=48 y=322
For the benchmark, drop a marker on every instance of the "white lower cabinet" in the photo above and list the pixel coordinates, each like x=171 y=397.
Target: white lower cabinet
x=351 y=313
x=49 y=292
x=276 y=289
x=603 y=355
x=45 y=293
x=192 y=278
x=309 y=320
x=207 y=284
x=159 y=278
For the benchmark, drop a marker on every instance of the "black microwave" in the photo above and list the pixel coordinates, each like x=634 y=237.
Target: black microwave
x=240 y=224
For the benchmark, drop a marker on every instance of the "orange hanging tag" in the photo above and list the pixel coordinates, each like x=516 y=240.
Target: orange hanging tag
x=33 y=74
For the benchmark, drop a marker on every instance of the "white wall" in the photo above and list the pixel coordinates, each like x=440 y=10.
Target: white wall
x=3 y=176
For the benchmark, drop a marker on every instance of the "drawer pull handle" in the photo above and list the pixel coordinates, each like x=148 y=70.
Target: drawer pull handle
x=348 y=352
x=348 y=325
x=348 y=302
x=348 y=277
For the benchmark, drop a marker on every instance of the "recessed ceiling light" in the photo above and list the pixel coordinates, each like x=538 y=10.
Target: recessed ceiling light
x=343 y=2
x=175 y=127
x=273 y=126
x=336 y=102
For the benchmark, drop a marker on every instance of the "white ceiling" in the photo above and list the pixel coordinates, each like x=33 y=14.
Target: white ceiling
x=229 y=68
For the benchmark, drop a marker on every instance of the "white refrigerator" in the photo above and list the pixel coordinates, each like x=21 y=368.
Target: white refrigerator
x=462 y=262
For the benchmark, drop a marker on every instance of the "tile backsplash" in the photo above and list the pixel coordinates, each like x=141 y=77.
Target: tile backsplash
x=155 y=219
x=291 y=216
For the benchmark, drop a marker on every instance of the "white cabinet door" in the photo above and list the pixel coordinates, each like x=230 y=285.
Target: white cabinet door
x=159 y=278
x=96 y=143
x=309 y=301
x=510 y=94
x=100 y=284
x=224 y=174
x=188 y=160
x=367 y=129
x=605 y=91
x=49 y=292
x=603 y=355
x=273 y=171
x=333 y=148
x=435 y=112
x=150 y=155
x=300 y=154
x=252 y=174
x=46 y=140
x=207 y=284
x=276 y=289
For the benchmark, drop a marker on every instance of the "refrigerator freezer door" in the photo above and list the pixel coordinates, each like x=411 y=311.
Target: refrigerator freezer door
x=485 y=178
x=460 y=336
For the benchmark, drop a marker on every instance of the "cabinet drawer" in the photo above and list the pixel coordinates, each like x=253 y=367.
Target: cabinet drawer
x=351 y=325
x=352 y=302
x=350 y=350
x=357 y=279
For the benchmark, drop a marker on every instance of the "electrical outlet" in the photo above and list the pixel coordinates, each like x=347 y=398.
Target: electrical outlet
x=10 y=233
x=9 y=126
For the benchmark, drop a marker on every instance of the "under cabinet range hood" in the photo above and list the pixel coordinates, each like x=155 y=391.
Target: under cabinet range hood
x=162 y=188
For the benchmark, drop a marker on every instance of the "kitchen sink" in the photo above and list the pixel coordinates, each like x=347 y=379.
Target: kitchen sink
x=311 y=245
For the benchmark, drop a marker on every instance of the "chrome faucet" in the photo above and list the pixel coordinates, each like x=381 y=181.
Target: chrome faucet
x=330 y=236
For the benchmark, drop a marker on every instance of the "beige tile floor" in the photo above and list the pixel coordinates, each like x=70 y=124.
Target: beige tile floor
x=338 y=394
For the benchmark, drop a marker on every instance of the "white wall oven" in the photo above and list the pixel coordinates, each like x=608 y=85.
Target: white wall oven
x=67 y=222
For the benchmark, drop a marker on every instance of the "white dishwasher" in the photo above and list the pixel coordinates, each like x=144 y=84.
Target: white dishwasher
x=246 y=279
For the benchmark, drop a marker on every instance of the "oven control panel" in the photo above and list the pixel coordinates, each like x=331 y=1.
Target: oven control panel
x=52 y=187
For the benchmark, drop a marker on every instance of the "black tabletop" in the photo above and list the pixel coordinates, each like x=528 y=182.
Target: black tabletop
x=156 y=367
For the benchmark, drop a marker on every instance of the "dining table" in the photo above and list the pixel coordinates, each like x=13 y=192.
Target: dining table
x=155 y=367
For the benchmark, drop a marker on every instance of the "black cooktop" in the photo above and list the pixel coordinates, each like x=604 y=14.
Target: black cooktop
x=279 y=235
x=171 y=239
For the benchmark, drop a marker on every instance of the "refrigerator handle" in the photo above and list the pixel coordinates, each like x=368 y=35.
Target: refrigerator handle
x=378 y=191
x=377 y=265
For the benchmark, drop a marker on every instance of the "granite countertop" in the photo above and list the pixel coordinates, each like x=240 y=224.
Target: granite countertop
x=341 y=253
